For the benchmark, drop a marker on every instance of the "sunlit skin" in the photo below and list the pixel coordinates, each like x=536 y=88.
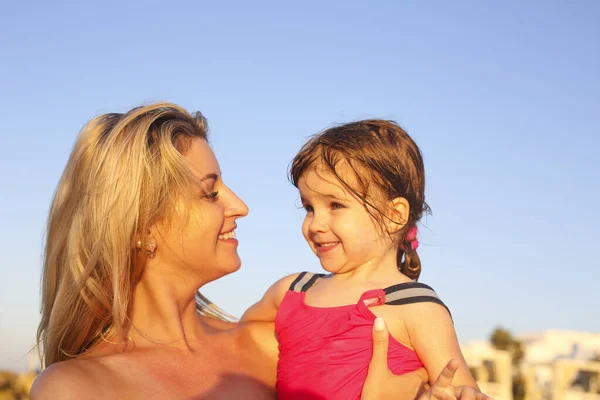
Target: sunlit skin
x=360 y=253
x=206 y=358
x=347 y=239
x=171 y=351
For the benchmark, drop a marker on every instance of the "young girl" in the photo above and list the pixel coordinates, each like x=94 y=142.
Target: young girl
x=362 y=185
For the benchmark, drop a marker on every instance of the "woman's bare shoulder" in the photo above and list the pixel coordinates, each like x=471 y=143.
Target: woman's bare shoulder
x=72 y=379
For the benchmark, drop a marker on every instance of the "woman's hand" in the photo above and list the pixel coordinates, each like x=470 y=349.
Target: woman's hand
x=382 y=384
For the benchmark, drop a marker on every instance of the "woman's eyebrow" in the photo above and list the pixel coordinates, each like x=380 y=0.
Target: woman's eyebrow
x=210 y=176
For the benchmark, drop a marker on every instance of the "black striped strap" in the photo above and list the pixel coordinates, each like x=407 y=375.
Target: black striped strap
x=304 y=281
x=410 y=293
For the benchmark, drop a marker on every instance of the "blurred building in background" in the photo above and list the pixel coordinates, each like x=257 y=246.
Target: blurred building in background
x=562 y=364
x=554 y=365
x=492 y=368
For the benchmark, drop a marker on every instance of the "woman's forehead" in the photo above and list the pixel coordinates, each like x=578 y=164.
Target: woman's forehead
x=202 y=159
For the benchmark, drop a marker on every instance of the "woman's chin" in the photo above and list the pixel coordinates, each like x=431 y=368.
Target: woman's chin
x=220 y=268
x=232 y=265
x=236 y=267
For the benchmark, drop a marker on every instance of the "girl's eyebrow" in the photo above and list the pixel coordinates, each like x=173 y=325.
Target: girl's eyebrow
x=334 y=196
x=328 y=195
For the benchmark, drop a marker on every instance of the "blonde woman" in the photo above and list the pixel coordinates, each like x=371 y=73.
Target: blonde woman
x=140 y=221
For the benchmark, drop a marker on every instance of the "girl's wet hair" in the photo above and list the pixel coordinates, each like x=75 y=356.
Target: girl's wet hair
x=387 y=164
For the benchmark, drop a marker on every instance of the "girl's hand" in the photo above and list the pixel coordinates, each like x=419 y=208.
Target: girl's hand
x=382 y=384
x=443 y=389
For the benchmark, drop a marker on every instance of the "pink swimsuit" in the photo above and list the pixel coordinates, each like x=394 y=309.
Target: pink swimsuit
x=324 y=353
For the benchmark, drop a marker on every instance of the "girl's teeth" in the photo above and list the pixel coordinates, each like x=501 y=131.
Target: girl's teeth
x=328 y=244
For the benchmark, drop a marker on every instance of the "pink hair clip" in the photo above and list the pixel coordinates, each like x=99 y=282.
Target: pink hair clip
x=411 y=237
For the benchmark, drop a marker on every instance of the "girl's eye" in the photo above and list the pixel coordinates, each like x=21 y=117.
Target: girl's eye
x=308 y=208
x=336 y=206
x=212 y=196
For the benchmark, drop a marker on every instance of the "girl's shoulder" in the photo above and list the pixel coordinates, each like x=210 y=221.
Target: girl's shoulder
x=300 y=282
x=412 y=308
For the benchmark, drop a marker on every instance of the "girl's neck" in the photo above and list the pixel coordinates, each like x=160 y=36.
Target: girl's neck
x=380 y=270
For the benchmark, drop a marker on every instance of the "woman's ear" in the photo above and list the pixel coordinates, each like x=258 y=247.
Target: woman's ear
x=400 y=210
x=147 y=244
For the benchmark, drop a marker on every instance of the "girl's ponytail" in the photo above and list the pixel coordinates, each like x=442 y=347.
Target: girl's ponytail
x=408 y=260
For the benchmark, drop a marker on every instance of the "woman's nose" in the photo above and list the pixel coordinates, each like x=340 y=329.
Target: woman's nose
x=236 y=207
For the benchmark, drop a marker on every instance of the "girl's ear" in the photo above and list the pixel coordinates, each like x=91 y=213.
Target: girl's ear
x=400 y=210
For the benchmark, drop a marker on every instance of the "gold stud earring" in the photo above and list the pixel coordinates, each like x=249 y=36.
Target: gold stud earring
x=151 y=249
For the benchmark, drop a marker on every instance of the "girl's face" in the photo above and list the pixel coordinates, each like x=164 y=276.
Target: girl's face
x=337 y=226
x=206 y=243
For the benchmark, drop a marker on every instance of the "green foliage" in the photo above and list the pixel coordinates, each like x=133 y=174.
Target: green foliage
x=502 y=339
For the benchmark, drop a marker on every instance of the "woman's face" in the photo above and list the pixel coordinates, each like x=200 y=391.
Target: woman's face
x=205 y=244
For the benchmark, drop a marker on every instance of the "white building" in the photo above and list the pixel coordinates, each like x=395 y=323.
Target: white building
x=557 y=366
x=491 y=369
x=556 y=362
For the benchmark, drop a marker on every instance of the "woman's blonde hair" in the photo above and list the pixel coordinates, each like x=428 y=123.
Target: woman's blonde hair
x=124 y=174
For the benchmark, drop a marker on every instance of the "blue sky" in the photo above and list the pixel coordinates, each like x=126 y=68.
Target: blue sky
x=502 y=97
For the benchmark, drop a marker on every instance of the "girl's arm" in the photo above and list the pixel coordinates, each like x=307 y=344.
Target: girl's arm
x=432 y=336
x=266 y=308
x=381 y=384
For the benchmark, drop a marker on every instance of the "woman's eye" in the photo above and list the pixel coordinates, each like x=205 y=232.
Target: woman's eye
x=212 y=196
x=336 y=206
x=308 y=208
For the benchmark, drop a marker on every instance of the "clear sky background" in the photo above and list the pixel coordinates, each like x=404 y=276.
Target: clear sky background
x=502 y=97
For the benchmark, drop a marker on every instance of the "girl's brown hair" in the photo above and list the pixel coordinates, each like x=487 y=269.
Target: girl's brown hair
x=380 y=153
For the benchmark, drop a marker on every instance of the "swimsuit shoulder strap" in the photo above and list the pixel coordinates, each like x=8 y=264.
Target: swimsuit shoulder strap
x=410 y=293
x=304 y=281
